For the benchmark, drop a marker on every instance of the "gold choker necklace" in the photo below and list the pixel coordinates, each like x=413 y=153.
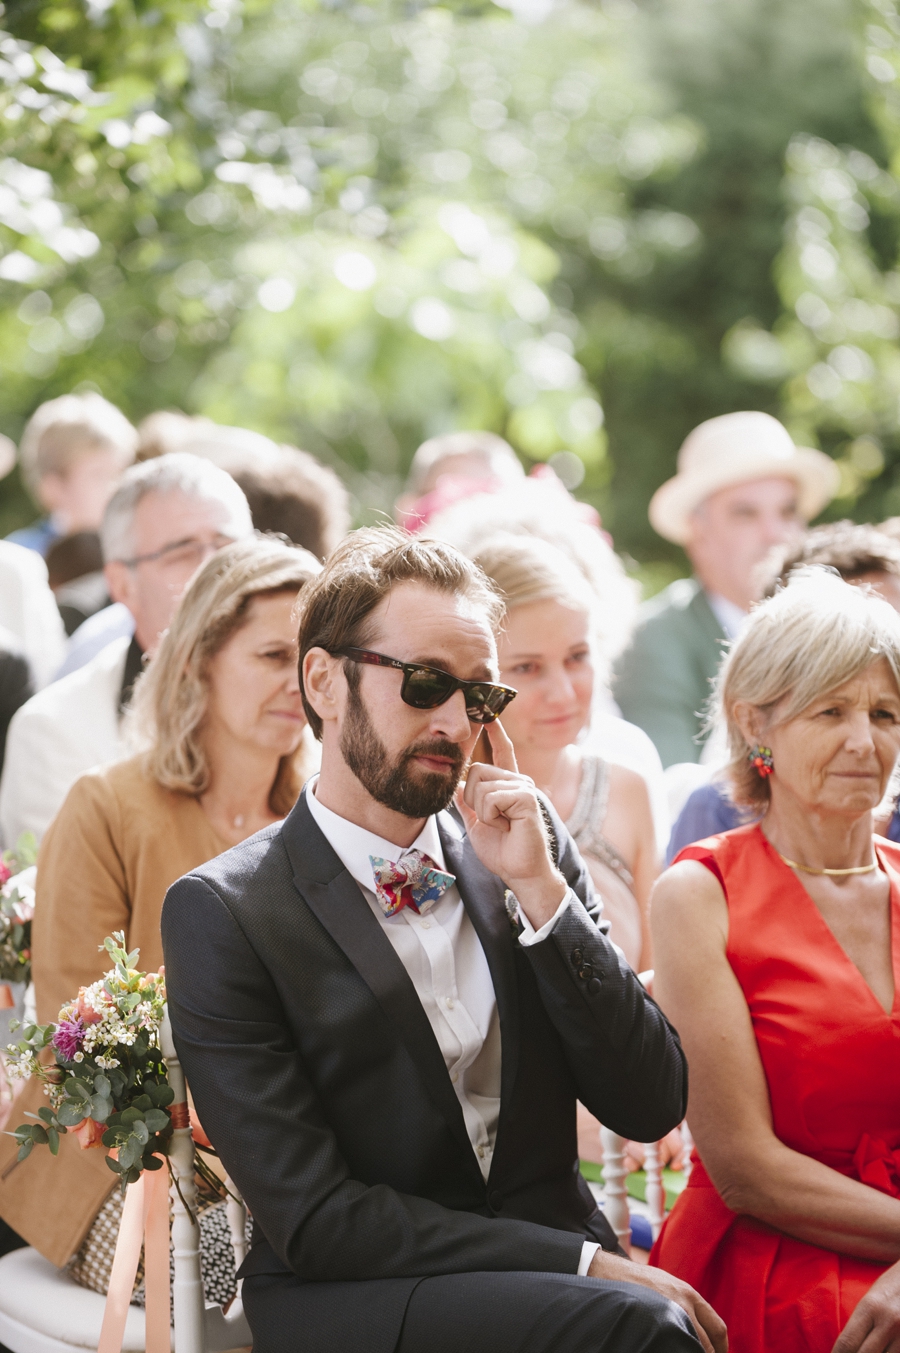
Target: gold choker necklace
x=832 y=873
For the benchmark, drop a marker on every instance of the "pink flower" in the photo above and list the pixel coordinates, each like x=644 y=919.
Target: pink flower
x=69 y=1037
x=89 y=1133
x=86 y=1013
x=5 y=873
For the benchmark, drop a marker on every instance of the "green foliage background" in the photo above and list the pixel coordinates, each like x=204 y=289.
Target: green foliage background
x=585 y=225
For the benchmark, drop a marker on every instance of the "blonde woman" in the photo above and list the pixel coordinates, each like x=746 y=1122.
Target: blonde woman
x=547 y=652
x=543 y=511
x=219 y=723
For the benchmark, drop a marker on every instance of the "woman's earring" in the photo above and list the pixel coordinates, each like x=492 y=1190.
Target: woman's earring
x=761 y=759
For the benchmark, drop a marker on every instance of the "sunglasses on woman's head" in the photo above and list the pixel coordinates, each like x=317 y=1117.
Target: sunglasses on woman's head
x=428 y=687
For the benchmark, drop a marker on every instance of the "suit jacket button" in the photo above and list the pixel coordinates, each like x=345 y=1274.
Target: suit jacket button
x=594 y=986
x=585 y=971
x=496 y=1199
x=577 y=956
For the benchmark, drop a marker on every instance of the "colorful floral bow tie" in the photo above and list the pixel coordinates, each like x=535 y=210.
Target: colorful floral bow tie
x=415 y=881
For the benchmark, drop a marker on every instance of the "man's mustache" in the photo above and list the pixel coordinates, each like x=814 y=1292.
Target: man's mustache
x=451 y=750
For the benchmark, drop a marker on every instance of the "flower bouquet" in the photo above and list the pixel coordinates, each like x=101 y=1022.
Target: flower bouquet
x=102 y=1069
x=17 y=876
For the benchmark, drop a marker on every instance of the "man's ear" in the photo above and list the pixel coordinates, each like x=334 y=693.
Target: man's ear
x=51 y=491
x=323 y=682
x=119 y=582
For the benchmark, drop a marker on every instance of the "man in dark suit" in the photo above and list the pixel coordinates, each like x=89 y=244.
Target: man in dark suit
x=387 y=1012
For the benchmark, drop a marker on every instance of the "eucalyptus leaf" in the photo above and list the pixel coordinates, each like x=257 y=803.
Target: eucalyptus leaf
x=157 y=1120
x=102 y=1085
x=113 y=1165
x=39 y=1134
x=130 y=1152
x=25 y=1150
x=101 y=1108
x=53 y=1141
x=71 y=1114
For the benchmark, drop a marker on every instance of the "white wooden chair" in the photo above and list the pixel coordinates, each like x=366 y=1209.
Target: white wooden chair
x=43 y=1311
x=615 y=1195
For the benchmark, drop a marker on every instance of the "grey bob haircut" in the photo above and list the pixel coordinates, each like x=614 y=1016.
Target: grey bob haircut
x=809 y=638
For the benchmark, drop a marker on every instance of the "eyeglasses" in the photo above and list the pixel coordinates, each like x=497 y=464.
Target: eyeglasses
x=180 y=554
x=428 y=687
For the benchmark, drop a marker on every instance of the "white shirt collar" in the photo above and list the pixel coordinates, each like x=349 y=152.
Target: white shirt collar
x=353 y=844
x=730 y=616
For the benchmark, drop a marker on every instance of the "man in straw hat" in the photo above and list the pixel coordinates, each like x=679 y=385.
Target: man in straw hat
x=742 y=487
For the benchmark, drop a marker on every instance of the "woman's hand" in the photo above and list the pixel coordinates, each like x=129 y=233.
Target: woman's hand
x=874 y=1327
x=671 y=1153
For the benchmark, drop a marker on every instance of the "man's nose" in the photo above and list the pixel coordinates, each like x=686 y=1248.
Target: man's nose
x=450 y=719
x=782 y=530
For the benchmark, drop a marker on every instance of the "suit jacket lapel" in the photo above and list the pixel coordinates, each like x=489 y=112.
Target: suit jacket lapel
x=483 y=895
x=333 y=895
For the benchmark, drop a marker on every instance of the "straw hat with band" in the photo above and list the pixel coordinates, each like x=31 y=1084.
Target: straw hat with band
x=733 y=449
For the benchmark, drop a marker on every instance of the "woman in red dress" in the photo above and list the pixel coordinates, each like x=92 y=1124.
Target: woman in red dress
x=778 y=959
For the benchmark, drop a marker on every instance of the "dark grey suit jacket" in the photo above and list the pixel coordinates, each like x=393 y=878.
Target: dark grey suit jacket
x=317 y=1076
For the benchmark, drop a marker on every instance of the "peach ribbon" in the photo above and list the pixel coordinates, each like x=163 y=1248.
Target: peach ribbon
x=145 y=1219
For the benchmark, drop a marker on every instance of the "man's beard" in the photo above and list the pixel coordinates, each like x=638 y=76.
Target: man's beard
x=400 y=787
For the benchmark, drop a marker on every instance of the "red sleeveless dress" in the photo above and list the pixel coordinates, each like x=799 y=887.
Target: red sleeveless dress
x=831 y=1057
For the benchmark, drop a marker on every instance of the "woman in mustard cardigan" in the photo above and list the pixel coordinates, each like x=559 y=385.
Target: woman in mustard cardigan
x=219 y=721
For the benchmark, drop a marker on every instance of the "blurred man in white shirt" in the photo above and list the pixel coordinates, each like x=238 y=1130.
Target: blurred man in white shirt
x=165 y=519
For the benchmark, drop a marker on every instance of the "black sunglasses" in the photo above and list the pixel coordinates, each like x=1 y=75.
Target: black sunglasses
x=428 y=687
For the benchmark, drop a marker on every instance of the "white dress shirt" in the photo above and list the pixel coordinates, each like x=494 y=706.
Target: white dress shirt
x=730 y=616
x=442 y=954
x=66 y=729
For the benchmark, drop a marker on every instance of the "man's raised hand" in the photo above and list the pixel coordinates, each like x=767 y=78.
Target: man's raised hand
x=506 y=827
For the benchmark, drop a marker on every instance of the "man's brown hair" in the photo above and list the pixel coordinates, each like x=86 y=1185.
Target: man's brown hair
x=851 y=549
x=361 y=572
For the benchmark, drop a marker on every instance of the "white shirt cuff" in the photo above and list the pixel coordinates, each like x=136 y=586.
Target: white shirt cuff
x=588 y=1250
x=531 y=936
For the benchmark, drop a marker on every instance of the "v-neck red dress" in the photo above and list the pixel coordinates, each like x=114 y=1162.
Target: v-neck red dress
x=831 y=1057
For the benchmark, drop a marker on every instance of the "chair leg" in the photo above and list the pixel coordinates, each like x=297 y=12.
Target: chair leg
x=614 y=1174
x=187 y=1291
x=656 y=1193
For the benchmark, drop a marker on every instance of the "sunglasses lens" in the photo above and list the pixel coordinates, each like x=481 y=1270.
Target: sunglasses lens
x=484 y=703
x=424 y=689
